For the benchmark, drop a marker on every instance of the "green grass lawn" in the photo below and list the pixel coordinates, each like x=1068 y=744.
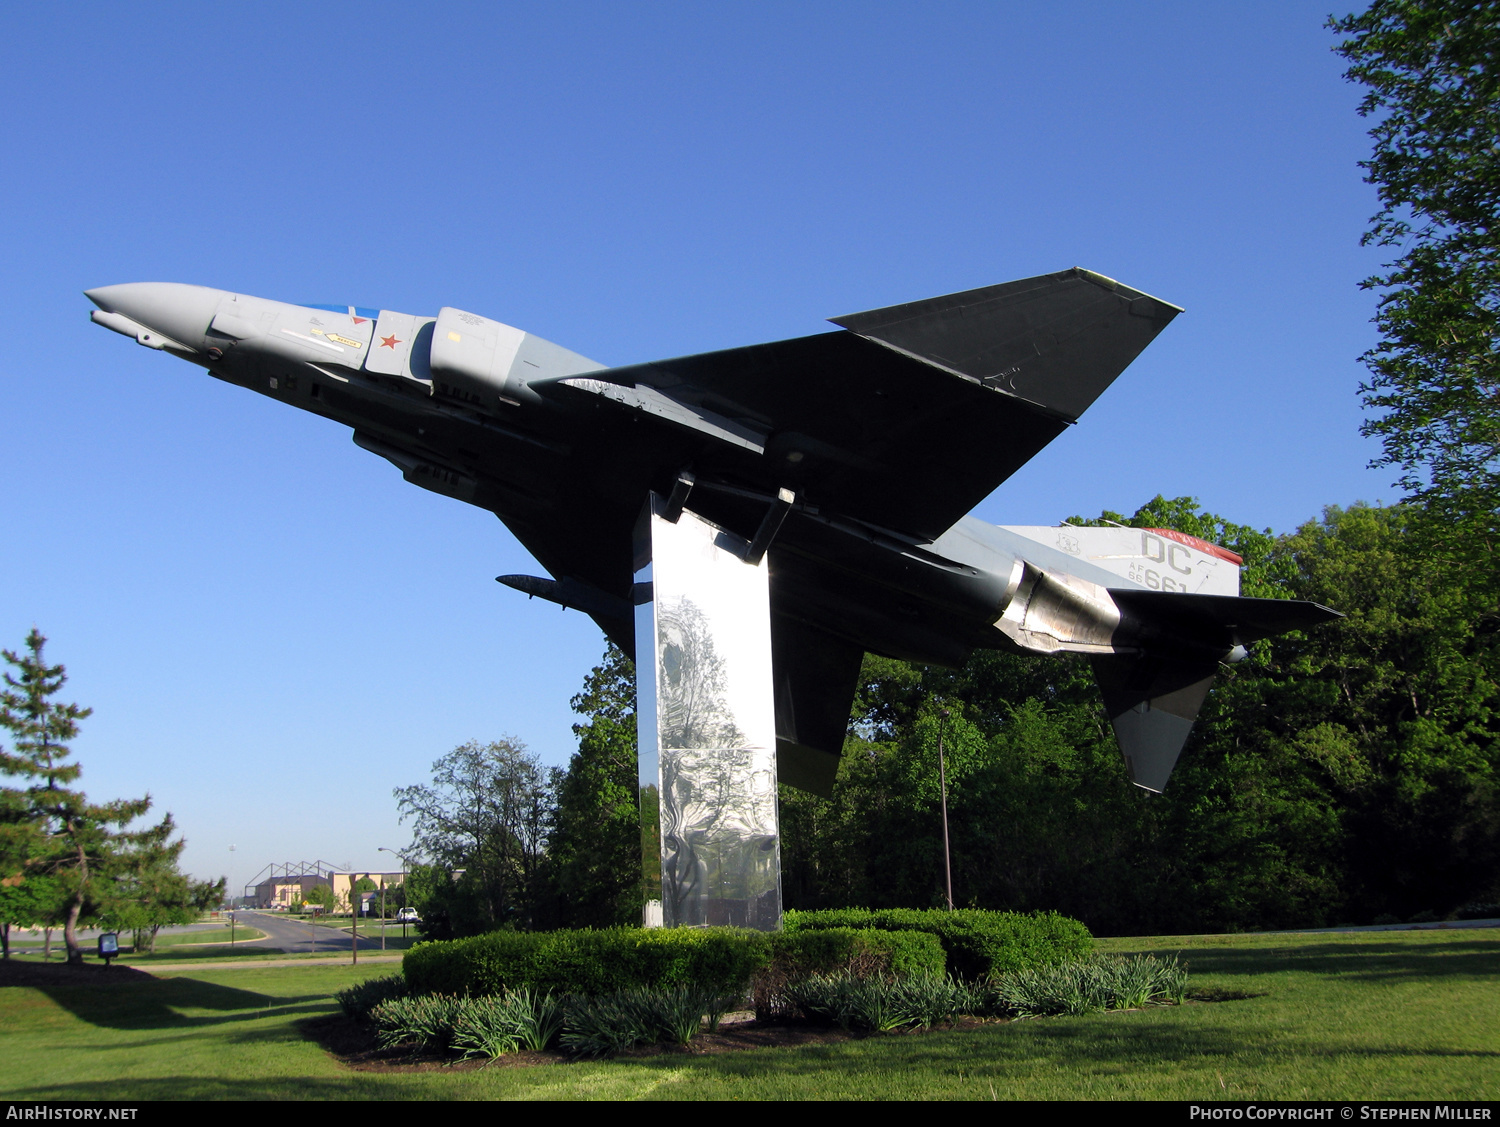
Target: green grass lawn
x=183 y=945
x=239 y=933
x=1390 y=1015
x=240 y=953
x=394 y=944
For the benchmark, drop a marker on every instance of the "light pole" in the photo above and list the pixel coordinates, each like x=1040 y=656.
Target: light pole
x=353 y=922
x=229 y=880
x=405 y=901
x=943 y=783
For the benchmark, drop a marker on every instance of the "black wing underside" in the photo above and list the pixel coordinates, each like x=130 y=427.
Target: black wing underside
x=905 y=418
x=914 y=413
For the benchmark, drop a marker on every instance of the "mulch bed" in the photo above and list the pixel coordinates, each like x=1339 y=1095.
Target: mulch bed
x=354 y=1044
x=14 y=972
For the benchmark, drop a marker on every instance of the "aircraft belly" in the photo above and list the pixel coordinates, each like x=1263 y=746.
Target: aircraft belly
x=836 y=579
x=879 y=618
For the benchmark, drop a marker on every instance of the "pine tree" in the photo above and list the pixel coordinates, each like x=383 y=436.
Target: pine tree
x=69 y=838
x=144 y=890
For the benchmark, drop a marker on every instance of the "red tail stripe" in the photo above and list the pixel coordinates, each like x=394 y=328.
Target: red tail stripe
x=1202 y=545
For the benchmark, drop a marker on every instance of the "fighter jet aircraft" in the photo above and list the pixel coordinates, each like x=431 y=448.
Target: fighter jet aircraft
x=850 y=456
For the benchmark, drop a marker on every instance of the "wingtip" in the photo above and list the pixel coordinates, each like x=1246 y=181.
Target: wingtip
x=1130 y=292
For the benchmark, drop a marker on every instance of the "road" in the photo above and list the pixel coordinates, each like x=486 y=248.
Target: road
x=297 y=937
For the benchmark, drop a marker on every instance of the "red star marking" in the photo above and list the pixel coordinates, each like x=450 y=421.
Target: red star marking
x=389 y=342
x=359 y=320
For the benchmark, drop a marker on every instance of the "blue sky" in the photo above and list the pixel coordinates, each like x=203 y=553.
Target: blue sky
x=274 y=630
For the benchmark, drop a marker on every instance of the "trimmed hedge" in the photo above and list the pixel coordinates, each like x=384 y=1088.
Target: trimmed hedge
x=862 y=951
x=358 y=1000
x=858 y=954
x=719 y=959
x=899 y=942
x=978 y=944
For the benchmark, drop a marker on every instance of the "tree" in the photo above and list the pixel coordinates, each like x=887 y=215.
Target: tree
x=1432 y=69
x=1336 y=775
x=319 y=895
x=596 y=839
x=361 y=885
x=1392 y=712
x=146 y=891
x=431 y=890
x=29 y=897
x=394 y=897
x=488 y=813
x=30 y=893
x=73 y=838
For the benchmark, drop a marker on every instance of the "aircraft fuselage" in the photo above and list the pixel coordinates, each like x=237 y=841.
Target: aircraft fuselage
x=850 y=457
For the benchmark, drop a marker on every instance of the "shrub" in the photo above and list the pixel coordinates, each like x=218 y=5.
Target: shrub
x=879 y=1004
x=1090 y=987
x=503 y=1023
x=797 y=955
x=609 y=1023
x=485 y=1026
x=538 y=1018
x=423 y=1019
x=357 y=1001
x=862 y=951
x=716 y=960
x=978 y=943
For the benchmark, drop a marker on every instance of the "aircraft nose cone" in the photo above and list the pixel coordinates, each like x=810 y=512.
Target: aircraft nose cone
x=178 y=311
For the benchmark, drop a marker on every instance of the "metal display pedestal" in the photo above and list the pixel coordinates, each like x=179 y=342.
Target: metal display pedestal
x=706 y=723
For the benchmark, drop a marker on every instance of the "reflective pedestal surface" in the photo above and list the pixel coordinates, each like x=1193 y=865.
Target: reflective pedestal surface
x=707 y=725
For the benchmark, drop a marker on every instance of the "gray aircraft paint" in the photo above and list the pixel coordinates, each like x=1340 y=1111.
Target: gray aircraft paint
x=391 y=344
x=884 y=433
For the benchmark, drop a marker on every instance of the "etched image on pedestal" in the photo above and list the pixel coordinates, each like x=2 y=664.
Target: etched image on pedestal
x=707 y=724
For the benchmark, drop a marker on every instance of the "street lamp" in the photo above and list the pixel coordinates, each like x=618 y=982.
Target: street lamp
x=229 y=880
x=353 y=922
x=405 y=901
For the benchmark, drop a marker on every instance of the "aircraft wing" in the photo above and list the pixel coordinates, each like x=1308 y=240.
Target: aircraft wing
x=916 y=412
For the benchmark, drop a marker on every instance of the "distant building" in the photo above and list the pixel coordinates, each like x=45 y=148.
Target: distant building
x=343 y=882
x=287 y=884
